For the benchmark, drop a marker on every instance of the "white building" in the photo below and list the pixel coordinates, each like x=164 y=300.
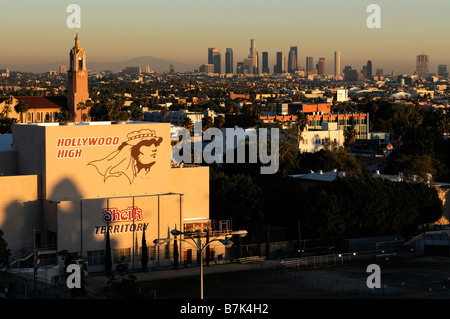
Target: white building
x=342 y=95
x=330 y=137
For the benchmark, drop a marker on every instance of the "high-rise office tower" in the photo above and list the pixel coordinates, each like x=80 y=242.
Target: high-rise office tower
x=229 y=61
x=369 y=69
x=422 y=64
x=214 y=58
x=254 y=56
x=62 y=69
x=292 y=60
x=337 y=64
x=278 y=67
x=265 y=62
x=321 y=66
x=296 y=56
x=442 y=70
x=309 y=65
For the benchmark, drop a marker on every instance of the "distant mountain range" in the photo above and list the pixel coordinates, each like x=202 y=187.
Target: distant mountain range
x=156 y=64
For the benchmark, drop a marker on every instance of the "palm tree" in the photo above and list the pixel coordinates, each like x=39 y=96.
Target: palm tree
x=207 y=123
x=220 y=121
x=7 y=107
x=187 y=123
x=302 y=123
x=164 y=113
x=21 y=108
x=349 y=135
x=64 y=116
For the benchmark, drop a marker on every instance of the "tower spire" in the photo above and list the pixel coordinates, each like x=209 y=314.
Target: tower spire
x=78 y=81
x=77 y=40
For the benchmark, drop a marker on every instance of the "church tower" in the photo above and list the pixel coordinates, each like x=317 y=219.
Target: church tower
x=77 y=82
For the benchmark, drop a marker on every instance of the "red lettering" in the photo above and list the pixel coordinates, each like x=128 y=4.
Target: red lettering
x=137 y=213
x=59 y=142
x=60 y=154
x=92 y=141
x=113 y=215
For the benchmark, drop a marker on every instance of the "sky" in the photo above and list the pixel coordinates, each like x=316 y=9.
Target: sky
x=35 y=31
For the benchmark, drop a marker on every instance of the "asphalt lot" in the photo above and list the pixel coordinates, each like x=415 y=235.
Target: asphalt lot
x=411 y=278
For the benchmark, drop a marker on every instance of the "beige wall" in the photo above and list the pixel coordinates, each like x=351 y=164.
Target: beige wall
x=74 y=170
x=67 y=194
x=20 y=210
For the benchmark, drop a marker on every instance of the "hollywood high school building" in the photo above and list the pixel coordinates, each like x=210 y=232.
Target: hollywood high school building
x=66 y=185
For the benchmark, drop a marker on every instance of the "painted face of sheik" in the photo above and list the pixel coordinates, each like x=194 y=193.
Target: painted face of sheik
x=136 y=154
x=144 y=153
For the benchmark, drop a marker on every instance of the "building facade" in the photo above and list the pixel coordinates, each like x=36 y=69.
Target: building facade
x=329 y=138
x=337 y=64
x=214 y=58
x=68 y=185
x=319 y=114
x=229 y=61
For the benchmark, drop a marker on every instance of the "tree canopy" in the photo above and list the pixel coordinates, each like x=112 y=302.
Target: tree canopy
x=358 y=206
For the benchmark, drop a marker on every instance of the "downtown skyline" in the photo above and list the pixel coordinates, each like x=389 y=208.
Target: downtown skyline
x=36 y=32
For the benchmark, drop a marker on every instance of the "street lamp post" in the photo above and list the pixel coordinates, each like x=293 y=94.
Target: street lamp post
x=198 y=245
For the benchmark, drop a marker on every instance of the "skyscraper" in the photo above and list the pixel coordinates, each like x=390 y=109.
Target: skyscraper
x=254 y=56
x=442 y=70
x=309 y=65
x=292 y=60
x=321 y=66
x=77 y=81
x=422 y=65
x=369 y=69
x=278 y=67
x=265 y=62
x=337 y=64
x=229 y=61
x=214 y=58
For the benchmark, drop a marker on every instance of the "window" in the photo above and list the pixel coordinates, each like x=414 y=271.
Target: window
x=151 y=253
x=96 y=257
x=122 y=252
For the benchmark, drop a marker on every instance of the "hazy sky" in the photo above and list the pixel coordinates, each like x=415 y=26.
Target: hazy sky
x=35 y=31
